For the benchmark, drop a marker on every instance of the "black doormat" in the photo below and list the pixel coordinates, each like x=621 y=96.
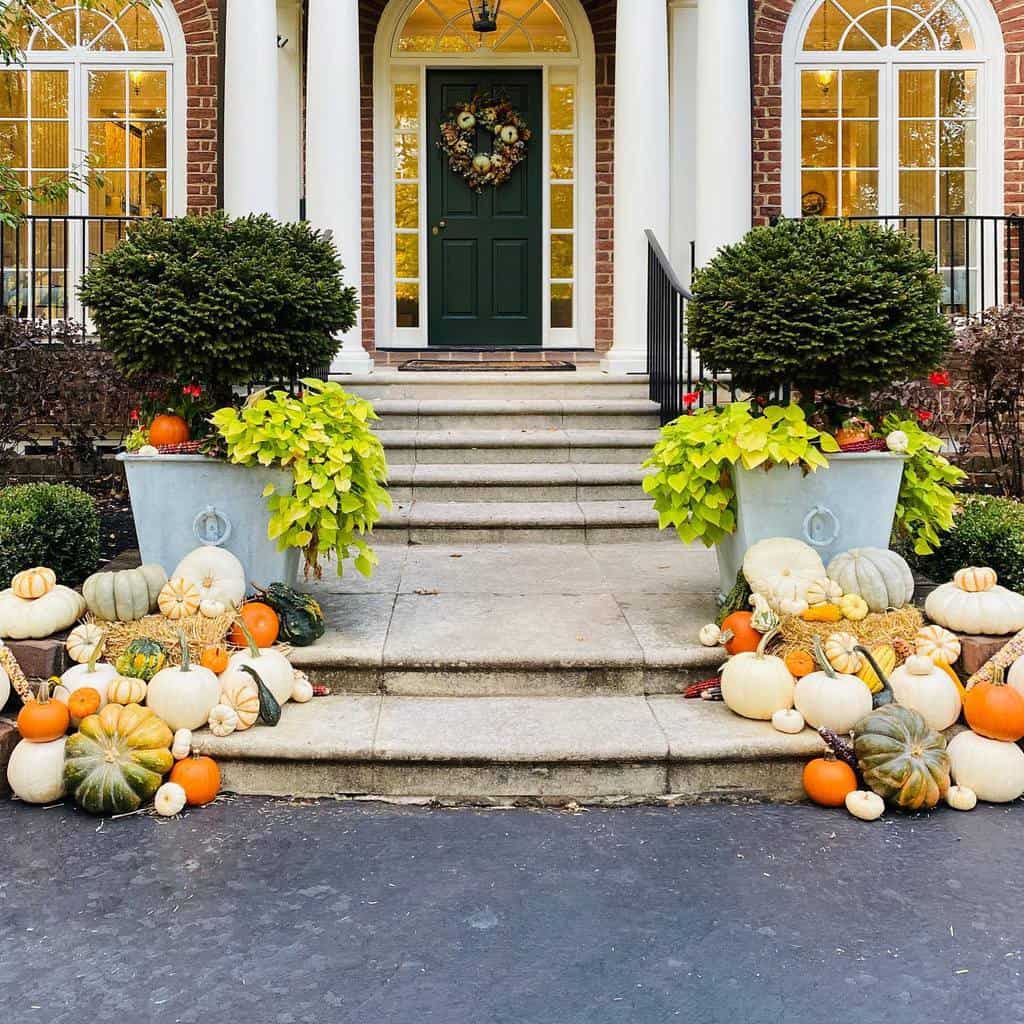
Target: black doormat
x=462 y=365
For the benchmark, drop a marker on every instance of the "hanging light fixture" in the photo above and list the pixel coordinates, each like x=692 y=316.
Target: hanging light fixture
x=825 y=76
x=485 y=15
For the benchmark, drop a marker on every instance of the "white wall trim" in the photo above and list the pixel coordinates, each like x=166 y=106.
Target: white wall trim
x=988 y=58
x=389 y=67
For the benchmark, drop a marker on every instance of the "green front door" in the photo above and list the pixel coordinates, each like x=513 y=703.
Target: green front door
x=484 y=259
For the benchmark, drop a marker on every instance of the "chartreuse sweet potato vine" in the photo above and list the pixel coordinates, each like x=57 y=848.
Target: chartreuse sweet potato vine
x=692 y=483
x=339 y=471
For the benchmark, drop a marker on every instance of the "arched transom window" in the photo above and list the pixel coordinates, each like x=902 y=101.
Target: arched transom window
x=446 y=26
x=890 y=108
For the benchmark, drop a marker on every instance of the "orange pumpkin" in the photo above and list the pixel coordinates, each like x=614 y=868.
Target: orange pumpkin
x=43 y=720
x=800 y=664
x=199 y=777
x=994 y=709
x=214 y=658
x=744 y=636
x=168 y=428
x=827 y=781
x=84 y=702
x=261 y=620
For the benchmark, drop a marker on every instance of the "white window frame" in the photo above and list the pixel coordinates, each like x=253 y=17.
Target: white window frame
x=987 y=59
x=392 y=66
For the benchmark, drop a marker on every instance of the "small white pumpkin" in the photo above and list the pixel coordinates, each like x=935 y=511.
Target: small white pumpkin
x=216 y=572
x=83 y=640
x=126 y=690
x=302 y=688
x=995 y=611
x=33 y=583
x=789 y=721
x=223 y=720
x=239 y=691
x=184 y=695
x=976 y=580
x=148 y=449
x=824 y=591
x=864 y=804
x=841 y=651
x=881 y=577
x=179 y=599
x=212 y=607
x=756 y=685
x=961 y=798
x=898 y=442
x=919 y=684
x=710 y=635
x=938 y=645
x=169 y=800
x=992 y=768
x=35 y=771
x=41 y=617
x=182 y=745
x=831 y=700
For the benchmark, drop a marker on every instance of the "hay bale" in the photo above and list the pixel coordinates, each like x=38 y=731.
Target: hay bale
x=878 y=628
x=199 y=631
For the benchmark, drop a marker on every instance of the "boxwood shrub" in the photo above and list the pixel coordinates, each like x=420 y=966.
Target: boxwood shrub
x=48 y=524
x=987 y=531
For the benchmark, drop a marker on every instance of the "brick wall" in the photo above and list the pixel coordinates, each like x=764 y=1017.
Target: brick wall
x=602 y=19
x=770 y=23
x=199 y=21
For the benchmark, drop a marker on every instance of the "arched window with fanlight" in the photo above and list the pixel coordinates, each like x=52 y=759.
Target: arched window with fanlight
x=93 y=97
x=893 y=110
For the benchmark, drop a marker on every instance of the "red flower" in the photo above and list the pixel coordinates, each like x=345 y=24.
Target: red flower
x=691 y=398
x=940 y=379
x=192 y=390
x=923 y=415
x=134 y=416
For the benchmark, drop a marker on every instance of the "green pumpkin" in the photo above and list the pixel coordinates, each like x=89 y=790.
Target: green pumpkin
x=117 y=759
x=901 y=758
x=141 y=659
x=302 y=619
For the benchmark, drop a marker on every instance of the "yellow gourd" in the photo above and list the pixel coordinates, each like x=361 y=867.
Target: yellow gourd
x=885 y=655
x=854 y=607
x=823 y=613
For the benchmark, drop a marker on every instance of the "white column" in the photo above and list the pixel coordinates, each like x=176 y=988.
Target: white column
x=642 y=161
x=685 y=101
x=724 y=128
x=250 y=108
x=289 y=109
x=333 y=148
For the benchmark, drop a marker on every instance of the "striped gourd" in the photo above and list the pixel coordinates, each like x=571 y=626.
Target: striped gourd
x=885 y=655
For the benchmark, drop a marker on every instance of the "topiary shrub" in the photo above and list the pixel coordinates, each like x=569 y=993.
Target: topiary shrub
x=836 y=311
x=986 y=531
x=219 y=301
x=48 y=524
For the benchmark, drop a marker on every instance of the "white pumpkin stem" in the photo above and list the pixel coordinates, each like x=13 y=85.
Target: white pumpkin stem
x=762 y=647
x=186 y=654
x=95 y=656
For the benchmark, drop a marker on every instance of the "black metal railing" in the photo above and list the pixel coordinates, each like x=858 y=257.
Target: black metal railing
x=980 y=258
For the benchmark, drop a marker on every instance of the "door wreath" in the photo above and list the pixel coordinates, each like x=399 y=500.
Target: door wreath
x=499 y=119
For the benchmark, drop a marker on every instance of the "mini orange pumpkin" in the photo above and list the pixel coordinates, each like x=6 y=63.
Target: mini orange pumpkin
x=43 y=720
x=215 y=658
x=199 y=777
x=168 y=429
x=800 y=664
x=744 y=636
x=85 y=701
x=827 y=781
x=262 y=621
x=994 y=709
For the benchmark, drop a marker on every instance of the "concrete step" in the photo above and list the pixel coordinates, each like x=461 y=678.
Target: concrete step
x=531 y=414
x=494 y=482
x=551 y=749
x=520 y=522
x=447 y=447
x=581 y=384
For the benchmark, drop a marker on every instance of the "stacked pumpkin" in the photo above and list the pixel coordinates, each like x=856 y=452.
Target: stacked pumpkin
x=36 y=606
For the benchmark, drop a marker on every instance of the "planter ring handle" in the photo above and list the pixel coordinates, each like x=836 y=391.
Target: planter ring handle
x=821 y=511
x=211 y=526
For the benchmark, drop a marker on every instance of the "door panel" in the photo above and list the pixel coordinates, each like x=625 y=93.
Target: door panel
x=484 y=265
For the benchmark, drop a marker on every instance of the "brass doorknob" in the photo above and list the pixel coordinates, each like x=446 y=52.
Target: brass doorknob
x=439 y=227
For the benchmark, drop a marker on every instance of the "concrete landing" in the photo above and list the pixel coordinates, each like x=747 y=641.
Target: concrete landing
x=491 y=620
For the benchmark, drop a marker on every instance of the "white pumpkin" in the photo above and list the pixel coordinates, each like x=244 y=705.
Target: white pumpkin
x=212 y=607
x=992 y=768
x=182 y=745
x=33 y=583
x=938 y=644
x=302 y=688
x=83 y=640
x=781 y=569
x=975 y=580
x=898 y=442
x=5 y=686
x=992 y=612
x=824 y=591
x=710 y=635
x=223 y=720
x=35 y=771
x=831 y=700
x=216 y=572
x=961 y=798
x=919 y=684
x=126 y=595
x=126 y=690
x=881 y=577
x=239 y=691
x=788 y=720
x=1015 y=676
x=183 y=695
x=841 y=651
x=169 y=800
x=756 y=685
x=273 y=668
x=96 y=674
x=864 y=804
x=39 y=618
